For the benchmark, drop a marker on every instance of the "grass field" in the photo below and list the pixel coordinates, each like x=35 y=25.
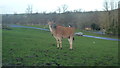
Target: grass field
x=78 y=30
x=32 y=47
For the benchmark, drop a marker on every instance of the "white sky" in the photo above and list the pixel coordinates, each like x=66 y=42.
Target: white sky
x=19 y=6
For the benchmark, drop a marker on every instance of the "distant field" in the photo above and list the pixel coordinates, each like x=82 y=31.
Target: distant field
x=32 y=47
x=78 y=30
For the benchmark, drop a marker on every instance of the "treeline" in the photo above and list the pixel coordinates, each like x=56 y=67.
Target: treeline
x=96 y=20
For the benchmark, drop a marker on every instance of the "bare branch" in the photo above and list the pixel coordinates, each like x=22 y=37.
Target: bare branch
x=64 y=8
x=106 y=5
x=29 y=9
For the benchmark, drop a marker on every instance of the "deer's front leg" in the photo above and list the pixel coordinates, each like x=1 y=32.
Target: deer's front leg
x=71 y=42
x=57 y=43
x=60 y=43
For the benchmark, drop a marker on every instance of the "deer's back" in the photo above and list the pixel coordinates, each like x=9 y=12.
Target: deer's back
x=64 y=31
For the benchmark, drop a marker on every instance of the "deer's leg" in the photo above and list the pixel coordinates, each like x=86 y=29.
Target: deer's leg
x=60 y=40
x=57 y=40
x=57 y=43
x=70 y=41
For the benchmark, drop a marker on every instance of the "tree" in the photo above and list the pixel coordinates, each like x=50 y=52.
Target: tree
x=95 y=26
x=106 y=5
x=110 y=17
x=29 y=9
x=119 y=17
x=64 y=8
x=59 y=10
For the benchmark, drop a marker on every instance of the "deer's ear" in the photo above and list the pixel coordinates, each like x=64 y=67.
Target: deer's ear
x=54 y=26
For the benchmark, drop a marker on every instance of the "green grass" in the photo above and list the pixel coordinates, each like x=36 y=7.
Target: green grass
x=39 y=26
x=32 y=47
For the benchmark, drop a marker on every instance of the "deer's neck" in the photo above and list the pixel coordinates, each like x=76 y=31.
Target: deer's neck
x=51 y=29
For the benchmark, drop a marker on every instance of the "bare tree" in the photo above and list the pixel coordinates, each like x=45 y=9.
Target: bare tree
x=110 y=17
x=119 y=14
x=59 y=10
x=106 y=5
x=64 y=8
x=110 y=5
x=29 y=9
x=119 y=4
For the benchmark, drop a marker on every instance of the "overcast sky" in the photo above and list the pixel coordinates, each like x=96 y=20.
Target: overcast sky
x=19 y=6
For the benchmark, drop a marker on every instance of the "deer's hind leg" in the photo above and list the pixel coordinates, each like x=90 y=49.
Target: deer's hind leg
x=70 y=39
x=60 y=41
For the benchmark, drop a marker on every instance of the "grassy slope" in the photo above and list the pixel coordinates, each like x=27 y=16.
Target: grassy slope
x=31 y=47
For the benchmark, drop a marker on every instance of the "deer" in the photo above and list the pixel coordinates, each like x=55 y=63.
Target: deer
x=60 y=32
